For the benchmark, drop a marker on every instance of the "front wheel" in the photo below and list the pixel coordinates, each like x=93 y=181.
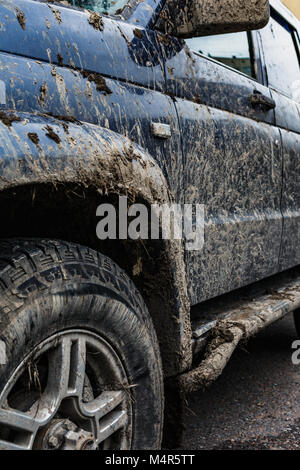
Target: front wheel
x=82 y=367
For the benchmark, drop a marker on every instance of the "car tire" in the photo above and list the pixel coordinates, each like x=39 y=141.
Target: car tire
x=81 y=367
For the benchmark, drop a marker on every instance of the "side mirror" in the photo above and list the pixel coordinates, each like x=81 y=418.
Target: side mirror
x=190 y=18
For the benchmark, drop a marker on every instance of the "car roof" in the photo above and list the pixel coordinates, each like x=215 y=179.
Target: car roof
x=285 y=13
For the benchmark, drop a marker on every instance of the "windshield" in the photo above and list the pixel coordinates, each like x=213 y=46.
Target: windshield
x=110 y=7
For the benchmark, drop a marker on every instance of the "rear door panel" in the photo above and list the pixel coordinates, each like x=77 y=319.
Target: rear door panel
x=233 y=165
x=290 y=253
x=278 y=41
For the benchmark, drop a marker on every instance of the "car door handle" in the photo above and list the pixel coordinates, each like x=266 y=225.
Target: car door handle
x=258 y=99
x=163 y=131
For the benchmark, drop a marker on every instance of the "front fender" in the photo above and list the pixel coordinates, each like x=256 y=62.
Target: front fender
x=43 y=149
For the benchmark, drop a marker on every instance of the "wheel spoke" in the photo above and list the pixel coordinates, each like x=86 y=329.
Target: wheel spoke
x=10 y=446
x=67 y=368
x=104 y=404
x=57 y=384
x=15 y=419
x=77 y=367
x=59 y=370
x=109 y=425
x=65 y=377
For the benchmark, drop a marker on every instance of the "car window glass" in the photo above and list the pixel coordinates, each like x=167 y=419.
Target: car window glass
x=230 y=49
x=281 y=57
x=102 y=6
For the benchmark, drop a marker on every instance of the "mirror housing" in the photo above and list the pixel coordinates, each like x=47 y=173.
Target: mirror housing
x=191 y=18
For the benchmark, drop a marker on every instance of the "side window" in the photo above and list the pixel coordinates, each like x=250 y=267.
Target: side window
x=102 y=6
x=233 y=50
x=281 y=58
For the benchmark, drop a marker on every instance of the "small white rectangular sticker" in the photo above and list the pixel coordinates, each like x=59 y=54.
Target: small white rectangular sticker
x=2 y=353
x=2 y=92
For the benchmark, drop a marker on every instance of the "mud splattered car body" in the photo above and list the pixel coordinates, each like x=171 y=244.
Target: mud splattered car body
x=79 y=94
x=74 y=86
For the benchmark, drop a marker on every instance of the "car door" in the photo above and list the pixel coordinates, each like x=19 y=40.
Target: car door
x=280 y=44
x=231 y=157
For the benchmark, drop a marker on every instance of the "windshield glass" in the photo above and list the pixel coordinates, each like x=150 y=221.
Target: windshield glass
x=110 y=7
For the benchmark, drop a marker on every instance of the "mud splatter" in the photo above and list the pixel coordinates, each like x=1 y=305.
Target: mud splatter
x=96 y=21
x=43 y=92
x=130 y=154
x=33 y=137
x=163 y=38
x=21 y=18
x=52 y=135
x=62 y=118
x=119 y=11
x=98 y=80
x=8 y=119
x=170 y=70
x=138 y=267
x=124 y=36
x=56 y=13
x=66 y=127
x=197 y=100
x=60 y=59
x=138 y=33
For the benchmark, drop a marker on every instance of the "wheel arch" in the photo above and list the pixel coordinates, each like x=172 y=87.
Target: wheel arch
x=51 y=186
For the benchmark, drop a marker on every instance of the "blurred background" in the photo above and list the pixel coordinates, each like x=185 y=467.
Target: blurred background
x=294 y=6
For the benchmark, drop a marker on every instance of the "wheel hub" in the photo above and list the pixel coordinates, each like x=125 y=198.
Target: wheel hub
x=63 y=434
x=82 y=402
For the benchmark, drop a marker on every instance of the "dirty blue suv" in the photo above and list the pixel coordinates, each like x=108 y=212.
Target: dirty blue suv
x=159 y=101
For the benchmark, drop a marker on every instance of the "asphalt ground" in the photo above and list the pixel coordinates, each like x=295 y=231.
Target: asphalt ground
x=255 y=404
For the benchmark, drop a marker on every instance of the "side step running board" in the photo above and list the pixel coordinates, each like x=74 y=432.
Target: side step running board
x=246 y=318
